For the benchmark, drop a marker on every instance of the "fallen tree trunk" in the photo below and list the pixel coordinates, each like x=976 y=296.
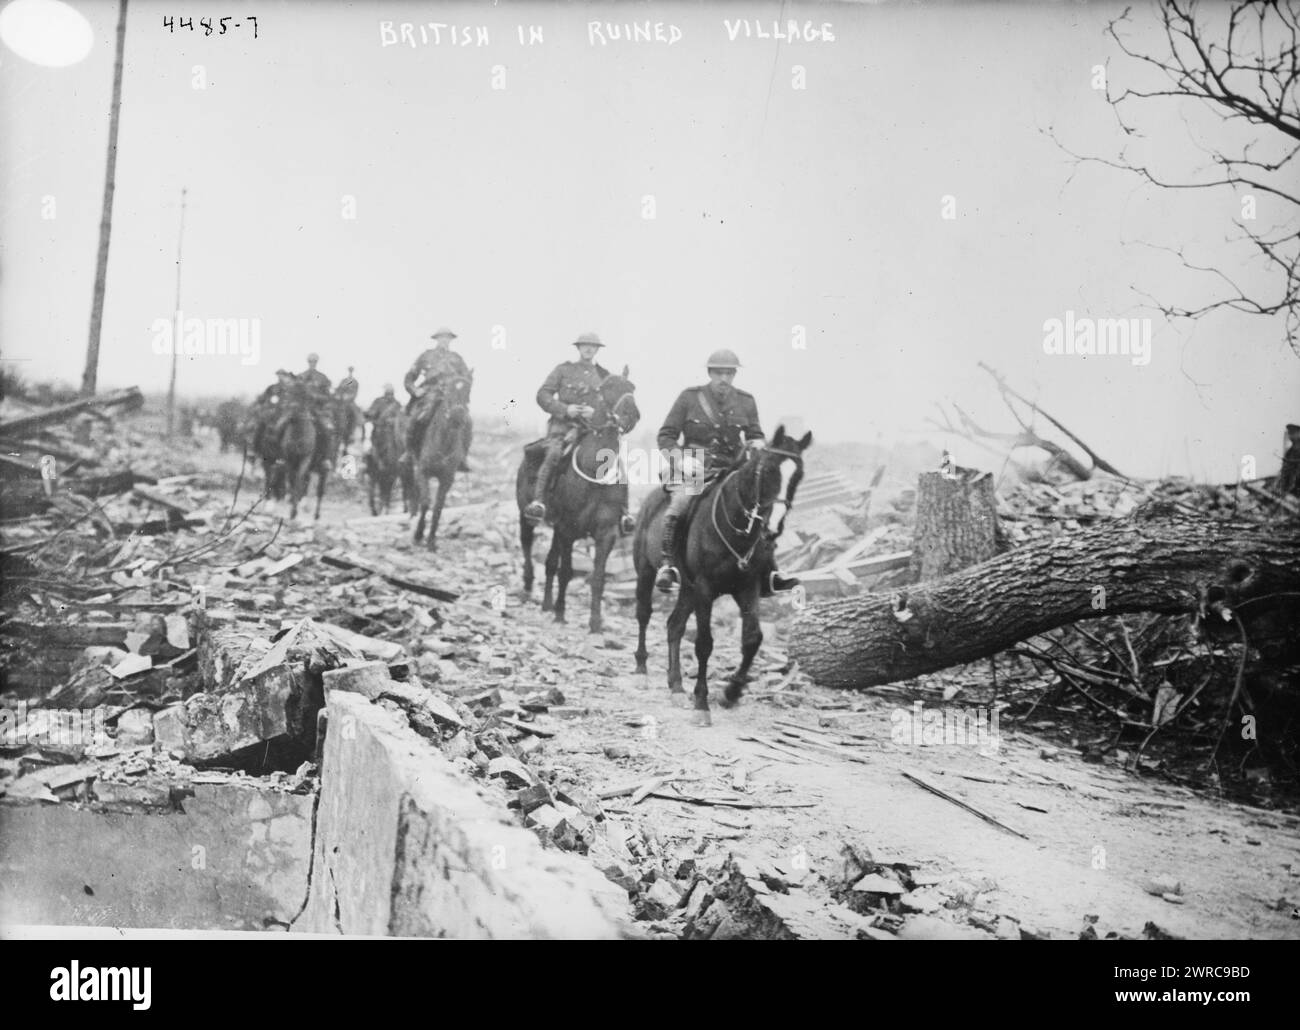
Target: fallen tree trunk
x=1156 y=561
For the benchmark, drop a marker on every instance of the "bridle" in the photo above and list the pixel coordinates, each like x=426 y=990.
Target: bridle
x=612 y=422
x=758 y=514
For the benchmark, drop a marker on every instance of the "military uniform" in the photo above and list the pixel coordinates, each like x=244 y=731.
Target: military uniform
x=424 y=383
x=382 y=408
x=723 y=436
x=276 y=404
x=721 y=428
x=316 y=385
x=570 y=382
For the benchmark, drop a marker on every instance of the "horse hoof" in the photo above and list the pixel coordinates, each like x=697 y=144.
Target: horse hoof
x=679 y=698
x=702 y=719
x=595 y=627
x=641 y=669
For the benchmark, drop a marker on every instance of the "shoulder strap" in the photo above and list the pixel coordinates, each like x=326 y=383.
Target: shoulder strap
x=709 y=413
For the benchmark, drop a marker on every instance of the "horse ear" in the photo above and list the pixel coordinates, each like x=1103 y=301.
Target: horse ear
x=624 y=371
x=806 y=442
x=778 y=436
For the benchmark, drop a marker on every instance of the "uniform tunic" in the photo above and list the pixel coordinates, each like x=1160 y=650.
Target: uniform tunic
x=571 y=382
x=723 y=437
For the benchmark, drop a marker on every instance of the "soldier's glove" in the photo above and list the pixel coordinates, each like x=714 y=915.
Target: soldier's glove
x=573 y=410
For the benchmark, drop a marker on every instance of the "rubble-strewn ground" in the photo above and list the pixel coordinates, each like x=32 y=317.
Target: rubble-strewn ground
x=792 y=816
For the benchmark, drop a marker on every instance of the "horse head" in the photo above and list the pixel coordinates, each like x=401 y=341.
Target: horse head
x=455 y=396
x=775 y=472
x=617 y=405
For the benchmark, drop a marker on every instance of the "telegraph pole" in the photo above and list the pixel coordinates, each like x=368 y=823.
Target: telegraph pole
x=90 y=377
x=176 y=324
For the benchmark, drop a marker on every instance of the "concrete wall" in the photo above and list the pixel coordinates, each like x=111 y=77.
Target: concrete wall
x=406 y=846
x=236 y=858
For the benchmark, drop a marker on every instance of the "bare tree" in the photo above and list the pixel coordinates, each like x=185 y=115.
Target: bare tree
x=1241 y=60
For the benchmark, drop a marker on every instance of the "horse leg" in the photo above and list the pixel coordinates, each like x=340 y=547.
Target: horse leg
x=321 y=475
x=526 y=533
x=604 y=544
x=676 y=630
x=552 y=564
x=703 y=648
x=751 y=637
x=422 y=500
x=566 y=574
x=444 y=485
x=645 y=585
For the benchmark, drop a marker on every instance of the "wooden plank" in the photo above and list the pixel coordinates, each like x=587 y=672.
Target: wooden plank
x=348 y=562
x=163 y=501
x=131 y=397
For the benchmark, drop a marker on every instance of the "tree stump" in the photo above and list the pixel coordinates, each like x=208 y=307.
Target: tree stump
x=956 y=522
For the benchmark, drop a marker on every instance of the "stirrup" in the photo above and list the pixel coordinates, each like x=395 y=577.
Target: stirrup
x=778 y=583
x=627 y=523
x=536 y=511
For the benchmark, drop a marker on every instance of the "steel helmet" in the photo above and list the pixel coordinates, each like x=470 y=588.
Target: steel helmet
x=723 y=359
x=443 y=331
x=588 y=338
x=388 y=388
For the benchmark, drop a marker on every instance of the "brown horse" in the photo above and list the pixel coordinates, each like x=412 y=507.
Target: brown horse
x=587 y=498
x=382 y=466
x=721 y=551
x=291 y=456
x=348 y=418
x=443 y=447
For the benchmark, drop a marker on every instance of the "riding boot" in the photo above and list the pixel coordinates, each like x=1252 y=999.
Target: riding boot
x=537 y=509
x=668 y=576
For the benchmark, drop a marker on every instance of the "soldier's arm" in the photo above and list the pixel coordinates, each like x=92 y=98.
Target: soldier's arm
x=409 y=381
x=753 y=431
x=675 y=423
x=546 y=396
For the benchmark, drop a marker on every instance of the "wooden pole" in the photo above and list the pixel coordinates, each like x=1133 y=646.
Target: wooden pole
x=176 y=333
x=90 y=376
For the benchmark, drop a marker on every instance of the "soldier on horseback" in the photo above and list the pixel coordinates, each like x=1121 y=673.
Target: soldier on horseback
x=424 y=382
x=348 y=387
x=383 y=407
x=274 y=406
x=316 y=386
x=568 y=395
x=720 y=422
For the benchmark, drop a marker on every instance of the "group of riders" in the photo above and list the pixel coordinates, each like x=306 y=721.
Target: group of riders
x=713 y=425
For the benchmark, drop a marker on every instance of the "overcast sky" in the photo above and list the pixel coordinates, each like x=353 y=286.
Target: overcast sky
x=524 y=207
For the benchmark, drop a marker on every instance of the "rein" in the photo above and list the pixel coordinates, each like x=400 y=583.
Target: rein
x=756 y=514
x=611 y=478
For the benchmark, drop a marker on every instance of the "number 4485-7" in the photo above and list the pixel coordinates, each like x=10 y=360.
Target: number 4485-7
x=172 y=24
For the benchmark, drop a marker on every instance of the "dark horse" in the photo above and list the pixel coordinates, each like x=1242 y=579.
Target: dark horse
x=734 y=519
x=347 y=417
x=442 y=448
x=587 y=498
x=382 y=466
x=291 y=456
